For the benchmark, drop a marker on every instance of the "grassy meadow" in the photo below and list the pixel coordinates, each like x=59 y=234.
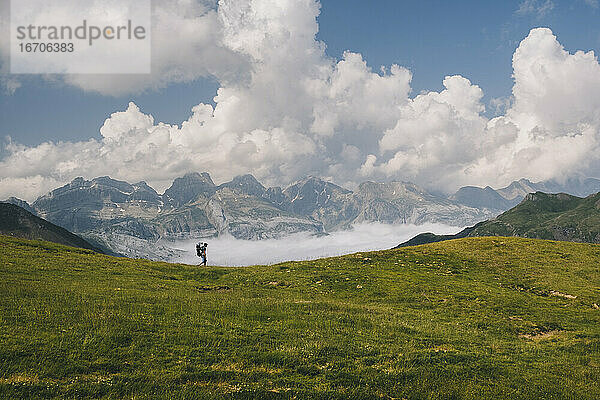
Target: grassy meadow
x=476 y=318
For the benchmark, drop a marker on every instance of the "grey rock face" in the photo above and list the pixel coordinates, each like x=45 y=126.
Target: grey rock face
x=404 y=202
x=216 y=214
x=323 y=201
x=188 y=188
x=247 y=216
x=517 y=190
x=277 y=198
x=246 y=184
x=485 y=198
x=311 y=194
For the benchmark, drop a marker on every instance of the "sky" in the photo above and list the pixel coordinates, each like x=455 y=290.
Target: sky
x=302 y=91
x=431 y=38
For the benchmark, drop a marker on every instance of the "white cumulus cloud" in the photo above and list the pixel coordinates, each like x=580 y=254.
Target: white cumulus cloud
x=285 y=109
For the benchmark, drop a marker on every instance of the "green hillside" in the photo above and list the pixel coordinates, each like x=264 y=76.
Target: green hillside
x=539 y=216
x=549 y=216
x=476 y=318
x=18 y=222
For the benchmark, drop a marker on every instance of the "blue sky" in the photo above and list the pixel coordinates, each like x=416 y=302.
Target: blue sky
x=433 y=39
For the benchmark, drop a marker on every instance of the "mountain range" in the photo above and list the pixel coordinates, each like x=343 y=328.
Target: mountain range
x=508 y=197
x=539 y=216
x=136 y=221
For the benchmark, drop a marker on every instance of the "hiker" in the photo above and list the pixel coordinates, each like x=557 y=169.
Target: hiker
x=201 y=252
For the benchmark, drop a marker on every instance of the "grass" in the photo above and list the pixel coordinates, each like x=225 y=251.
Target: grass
x=548 y=216
x=476 y=318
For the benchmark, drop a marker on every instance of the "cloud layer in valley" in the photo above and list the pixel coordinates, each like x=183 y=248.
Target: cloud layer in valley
x=285 y=110
x=302 y=246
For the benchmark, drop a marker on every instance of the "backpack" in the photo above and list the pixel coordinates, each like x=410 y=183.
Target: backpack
x=199 y=250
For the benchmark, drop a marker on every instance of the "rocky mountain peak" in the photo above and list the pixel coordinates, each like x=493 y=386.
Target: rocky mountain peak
x=77 y=182
x=391 y=190
x=109 y=183
x=487 y=197
x=21 y=203
x=246 y=184
x=540 y=196
x=81 y=191
x=188 y=188
x=142 y=191
x=142 y=185
x=546 y=202
x=194 y=177
x=312 y=183
x=518 y=189
x=311 y=193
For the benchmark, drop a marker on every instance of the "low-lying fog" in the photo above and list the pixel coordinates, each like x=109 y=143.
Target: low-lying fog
x=301 y=246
